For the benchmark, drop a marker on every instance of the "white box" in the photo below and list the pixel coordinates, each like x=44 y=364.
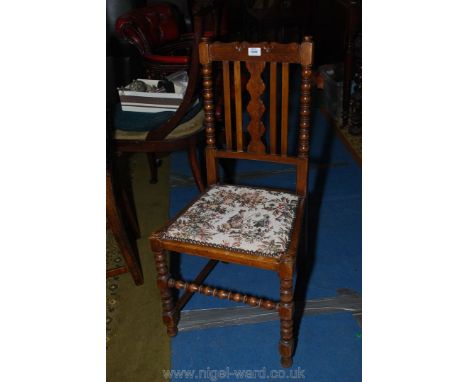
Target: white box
x=145 y=102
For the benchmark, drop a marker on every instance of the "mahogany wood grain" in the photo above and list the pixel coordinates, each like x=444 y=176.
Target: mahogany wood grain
x=296 y=232
x=260 y=157
x=221 y=254
x=284 y=108
x=224 y=294
x=301 y=181
x=238 y=51
x=116 y=271
x=227 y=104
x=286 y=309
x=208 y=107
x=211 y=166
x=170 y=315
x=304 y=110
x=198 y=280
x=238 y=101
x=273 y=111
x=255 y=107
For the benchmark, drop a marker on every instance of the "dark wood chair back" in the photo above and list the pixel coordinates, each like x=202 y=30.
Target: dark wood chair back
x=256 y=58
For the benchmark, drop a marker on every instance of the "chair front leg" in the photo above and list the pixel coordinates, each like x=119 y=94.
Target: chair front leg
x=170 y=317
x=286 y=312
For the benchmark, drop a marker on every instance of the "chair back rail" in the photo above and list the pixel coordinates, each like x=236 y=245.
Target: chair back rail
x=191 y=91
x=256 y=58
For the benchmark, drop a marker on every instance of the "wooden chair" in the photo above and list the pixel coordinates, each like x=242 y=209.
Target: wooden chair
x=180 y=131
x=252 y=226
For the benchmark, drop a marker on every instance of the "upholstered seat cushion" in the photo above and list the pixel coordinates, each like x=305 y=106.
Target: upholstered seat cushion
x=238 y=218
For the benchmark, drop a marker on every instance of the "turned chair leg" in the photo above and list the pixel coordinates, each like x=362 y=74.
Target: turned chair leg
x=192 y=156
x=286 y=311
x=153 y=167
x=170 y=317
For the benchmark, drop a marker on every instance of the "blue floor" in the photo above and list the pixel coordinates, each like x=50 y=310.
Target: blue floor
x=329 y=346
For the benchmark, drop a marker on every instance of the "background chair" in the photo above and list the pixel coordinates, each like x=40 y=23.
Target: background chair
x=159 y=134
x=250 y=226
x=157 y=31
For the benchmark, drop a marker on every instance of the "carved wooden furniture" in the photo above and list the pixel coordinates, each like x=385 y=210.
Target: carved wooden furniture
x=251 y=226
x=176 y=133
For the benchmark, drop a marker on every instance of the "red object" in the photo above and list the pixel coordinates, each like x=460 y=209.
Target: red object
x=168 y=59
x=156 y=31
x=149 y=27
x=208 y=34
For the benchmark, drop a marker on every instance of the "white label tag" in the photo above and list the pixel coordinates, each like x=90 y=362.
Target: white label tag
x=255 y=51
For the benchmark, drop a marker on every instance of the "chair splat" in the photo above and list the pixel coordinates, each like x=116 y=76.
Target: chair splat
x=256 y=108
x=273 y=108
x=227 y=104
x=284 y=107
x=238 y=101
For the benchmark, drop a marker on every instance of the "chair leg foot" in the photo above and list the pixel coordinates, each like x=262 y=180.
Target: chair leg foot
x=286 y=362
x=170 y=317
x=286 y=311
x=172 y=332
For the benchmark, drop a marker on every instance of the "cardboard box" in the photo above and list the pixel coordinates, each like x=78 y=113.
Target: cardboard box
x=145 y=102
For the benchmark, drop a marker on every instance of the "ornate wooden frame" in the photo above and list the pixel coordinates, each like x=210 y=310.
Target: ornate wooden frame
x=272 y=54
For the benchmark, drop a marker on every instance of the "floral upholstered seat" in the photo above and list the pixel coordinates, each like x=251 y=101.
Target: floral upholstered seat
x=239 y=218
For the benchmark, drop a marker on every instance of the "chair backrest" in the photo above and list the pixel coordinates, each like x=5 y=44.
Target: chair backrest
x=257 y=57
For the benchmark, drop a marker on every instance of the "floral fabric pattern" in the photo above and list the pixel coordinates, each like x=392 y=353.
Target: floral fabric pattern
x=239 y=218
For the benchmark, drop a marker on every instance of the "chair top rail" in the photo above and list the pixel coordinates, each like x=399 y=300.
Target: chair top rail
x=262 y=51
